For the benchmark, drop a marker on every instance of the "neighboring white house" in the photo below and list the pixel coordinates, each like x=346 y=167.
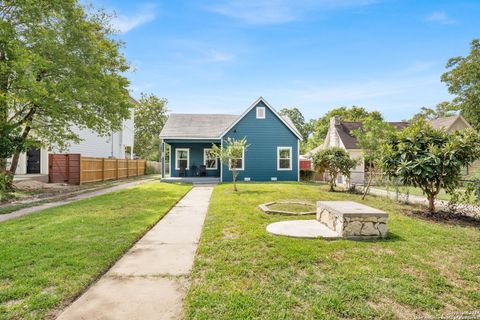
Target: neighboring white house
x=114 y=145
x=340 y=135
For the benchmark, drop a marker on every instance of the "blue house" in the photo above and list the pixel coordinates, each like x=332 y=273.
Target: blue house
x=272 y=155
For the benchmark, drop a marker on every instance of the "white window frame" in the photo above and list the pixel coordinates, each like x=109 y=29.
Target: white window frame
x=278 y=158
x=264 y=111
x=205 y=150
x=243 y=162
x=176 y=158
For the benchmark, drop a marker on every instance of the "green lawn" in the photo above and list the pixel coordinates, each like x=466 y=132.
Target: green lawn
x=292 y=207
x=49 y=258
x=414 y=191
x=242 y=272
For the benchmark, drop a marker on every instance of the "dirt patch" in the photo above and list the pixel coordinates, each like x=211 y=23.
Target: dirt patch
x=443 y=216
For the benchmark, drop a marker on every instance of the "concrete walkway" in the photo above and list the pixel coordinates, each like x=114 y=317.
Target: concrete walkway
x=151 y=280
x=53 y=204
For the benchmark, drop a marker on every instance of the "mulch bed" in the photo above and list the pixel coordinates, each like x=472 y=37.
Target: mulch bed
x=444 y=216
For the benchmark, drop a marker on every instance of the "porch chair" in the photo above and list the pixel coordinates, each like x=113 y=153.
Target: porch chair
x=203 y=170
x=182 y=171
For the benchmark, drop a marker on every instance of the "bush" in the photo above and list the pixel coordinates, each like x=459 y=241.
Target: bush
x=306 y=175
x=150 y=170
x=6 y=181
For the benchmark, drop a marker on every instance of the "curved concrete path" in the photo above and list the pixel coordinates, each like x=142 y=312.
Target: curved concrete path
x=302 y=229
x=151 y=279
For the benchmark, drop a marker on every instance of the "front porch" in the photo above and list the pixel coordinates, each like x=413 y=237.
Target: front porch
x=194 y=180
x=189 y=160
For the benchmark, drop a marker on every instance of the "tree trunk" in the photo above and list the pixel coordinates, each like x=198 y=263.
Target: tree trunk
x=332 y=184
x=234 y=175
x=369 y=183
x=431 y=203
x=16 y=156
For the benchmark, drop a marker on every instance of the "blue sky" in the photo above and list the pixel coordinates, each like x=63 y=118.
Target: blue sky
x=220 y=56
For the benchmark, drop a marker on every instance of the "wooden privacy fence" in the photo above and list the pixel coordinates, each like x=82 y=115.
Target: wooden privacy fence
x=75 y=169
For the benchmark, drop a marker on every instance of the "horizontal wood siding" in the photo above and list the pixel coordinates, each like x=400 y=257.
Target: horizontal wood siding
x=264 y=136
x=64 y=168
x=196 y=157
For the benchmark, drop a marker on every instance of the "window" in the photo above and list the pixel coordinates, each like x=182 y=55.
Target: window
x=260 y=112
x=208 y=160
x=239 y=162
x=182 y=158
x=284 y=158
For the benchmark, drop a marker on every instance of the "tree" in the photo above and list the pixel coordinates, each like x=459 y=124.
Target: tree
x=430 y=159
x=322 y=124
x=443 y=109
x=59 y=70
x=370 y=138
x=463 y=81
x=334 y=161
x=150 y=117
x=298 y=120
x=230 y=154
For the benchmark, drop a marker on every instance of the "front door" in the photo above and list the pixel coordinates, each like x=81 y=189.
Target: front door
x=33 y=160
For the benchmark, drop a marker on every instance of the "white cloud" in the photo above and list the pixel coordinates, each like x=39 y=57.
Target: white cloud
x=124 y=23
x=219 y=56
x=265 y=12
x=440 y=17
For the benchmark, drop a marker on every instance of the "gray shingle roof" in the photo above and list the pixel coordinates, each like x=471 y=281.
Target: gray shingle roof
x=445 y=122
x=208 y=126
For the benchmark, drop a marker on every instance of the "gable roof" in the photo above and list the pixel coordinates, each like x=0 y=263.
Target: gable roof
x=285 y=120
x=212 y=126
x=196 y=126
x=345 y=132
x=447 y=122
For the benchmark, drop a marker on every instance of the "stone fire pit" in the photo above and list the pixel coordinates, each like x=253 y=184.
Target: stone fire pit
x=336 y=220
x=352 y=220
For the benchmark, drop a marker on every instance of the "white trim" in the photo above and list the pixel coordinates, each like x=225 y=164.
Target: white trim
x=188 y=138
x=243 y=162
x=221 y=163
x=205 y=160
x=278 y=159
x=271 y=109
x=298 y=160
x=188 y=157
x=257 y=109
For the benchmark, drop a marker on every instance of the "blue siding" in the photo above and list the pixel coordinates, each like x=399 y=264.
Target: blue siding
x=263 y=136
x=196 y=156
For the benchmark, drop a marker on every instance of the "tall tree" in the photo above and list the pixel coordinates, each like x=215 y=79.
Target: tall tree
x=443 y=109
x=463 y=81
x=298 y=120
x=430 y=159
x=150 y=116
x=59 y=69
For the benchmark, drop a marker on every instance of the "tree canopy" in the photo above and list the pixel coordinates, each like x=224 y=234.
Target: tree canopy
x=298 y=120
x=333 y=161
x=430 y=159
x=150 y=117
x=231 y=152
x=60 y=70
x=463 y=81
x=443 y=109
x=353 y=113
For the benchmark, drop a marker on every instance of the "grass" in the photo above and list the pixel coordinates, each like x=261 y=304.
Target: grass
x=49 y=258
x=415 y=191
x=242 y=272
x=292 y=207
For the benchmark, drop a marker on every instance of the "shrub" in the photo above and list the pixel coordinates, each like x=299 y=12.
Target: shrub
x=306 y=175
x=334 y=161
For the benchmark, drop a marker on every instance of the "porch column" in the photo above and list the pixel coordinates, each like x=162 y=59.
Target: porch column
x=163 y=157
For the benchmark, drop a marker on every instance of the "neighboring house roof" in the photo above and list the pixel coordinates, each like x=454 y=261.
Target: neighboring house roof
x=212 y=126
x=132 y=100
x=199 y=126
x=345 y=132
x=447 y=122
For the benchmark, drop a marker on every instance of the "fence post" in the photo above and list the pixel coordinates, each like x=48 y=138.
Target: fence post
x=128 y=169
x=116 y=169
x=138 y=169
x=103 y=169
